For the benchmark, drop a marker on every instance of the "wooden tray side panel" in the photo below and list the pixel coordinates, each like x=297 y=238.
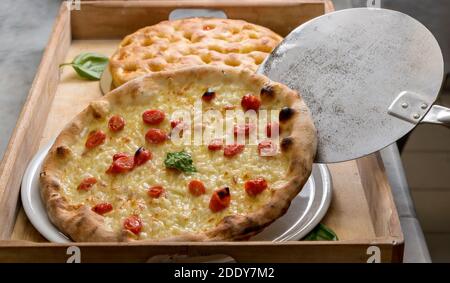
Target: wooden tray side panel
x=288 y=252
x=379 y=197
x=26 y=137
x=381 y=203
x=110 y=19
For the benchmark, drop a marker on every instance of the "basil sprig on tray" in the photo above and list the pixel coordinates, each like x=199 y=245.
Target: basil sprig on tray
x=321 y=233
x=181 y=161
x=89 y=65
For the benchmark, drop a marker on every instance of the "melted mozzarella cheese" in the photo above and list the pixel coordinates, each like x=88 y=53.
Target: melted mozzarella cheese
x=177 y=211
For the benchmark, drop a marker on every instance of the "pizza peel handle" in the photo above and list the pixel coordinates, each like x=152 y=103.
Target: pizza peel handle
x=368 y=75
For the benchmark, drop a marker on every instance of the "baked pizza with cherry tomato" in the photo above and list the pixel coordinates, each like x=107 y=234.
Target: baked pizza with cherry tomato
x=117 y=172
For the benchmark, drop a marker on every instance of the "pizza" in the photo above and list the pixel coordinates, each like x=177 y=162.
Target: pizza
x=171 y=45
x=116 y=172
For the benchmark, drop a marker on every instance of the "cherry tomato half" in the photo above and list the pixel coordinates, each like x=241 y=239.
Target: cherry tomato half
x=220 y=199
x=255 y=186
x=121 y=165
x=133 y=224
x=250 y=101
x=155 y=136
x=102 y=208
x=116 y=123
x=233 y=149
x=95 y=139
x=153 y=116
x=215 y=144
x=86 y=184
x=155 y=191
x=141 y=156
x=196 y=187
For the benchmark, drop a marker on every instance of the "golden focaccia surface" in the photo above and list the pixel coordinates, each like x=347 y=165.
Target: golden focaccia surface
x=171 y=45
x=176 y=214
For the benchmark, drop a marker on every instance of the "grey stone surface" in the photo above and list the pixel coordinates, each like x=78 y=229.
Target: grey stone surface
x=25 y=26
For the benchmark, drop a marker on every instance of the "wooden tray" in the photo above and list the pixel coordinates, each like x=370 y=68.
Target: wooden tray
x=362 y=211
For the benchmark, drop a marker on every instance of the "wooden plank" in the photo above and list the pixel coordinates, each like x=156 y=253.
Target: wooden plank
x=347 y=251
x=24 y=230
x=329 y=6
x=105 y=19
x=349 y=214
x=74 y=94
x=378 y=193
x=26 y=136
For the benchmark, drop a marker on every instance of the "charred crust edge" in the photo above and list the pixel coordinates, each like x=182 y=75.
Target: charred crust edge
x=62 y=151
x=208 y=94
x=267 y=91
x=286 y=113
x=223 y=193
x=286 y=143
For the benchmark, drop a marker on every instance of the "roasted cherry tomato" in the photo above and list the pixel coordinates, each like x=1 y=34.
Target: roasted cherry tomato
x=233 y=149
x=87 y=184
x=255 y=186
x=243 y=129
x=215 y=144
x=133 y=224
x=220 y=199
x=266 y=148
x=116 y=123
x=275 y=126
x=155 y=136
x=175 y=123
x=155 y=191
x=196 y=187
x=250 y=101
x=208 y=96
x=119 y=155
x=121 y=165
x=141 y=156
x=153 y=116
x=95 y=138
x=102 y=208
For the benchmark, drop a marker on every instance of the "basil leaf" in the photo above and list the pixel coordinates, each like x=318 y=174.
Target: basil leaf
x=321 y=233
x=181 y=161
x=89 y=65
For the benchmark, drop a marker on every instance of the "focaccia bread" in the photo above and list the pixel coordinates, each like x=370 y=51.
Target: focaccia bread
x=112 y=173
x=171 y=45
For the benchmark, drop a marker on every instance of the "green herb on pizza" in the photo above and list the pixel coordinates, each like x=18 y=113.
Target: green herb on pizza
x=181 y=161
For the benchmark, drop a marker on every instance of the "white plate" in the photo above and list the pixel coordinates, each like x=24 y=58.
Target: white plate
x=305 y=212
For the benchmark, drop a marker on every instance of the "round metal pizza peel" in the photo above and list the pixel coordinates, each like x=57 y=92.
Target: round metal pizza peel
x=368 y=75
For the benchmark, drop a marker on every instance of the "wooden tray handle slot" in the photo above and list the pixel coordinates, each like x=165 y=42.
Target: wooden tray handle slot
x=192 y=13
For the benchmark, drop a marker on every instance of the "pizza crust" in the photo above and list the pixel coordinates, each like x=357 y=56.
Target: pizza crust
x=83 y=225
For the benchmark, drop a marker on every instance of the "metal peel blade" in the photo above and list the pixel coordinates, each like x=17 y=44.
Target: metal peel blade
x=369 y=77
